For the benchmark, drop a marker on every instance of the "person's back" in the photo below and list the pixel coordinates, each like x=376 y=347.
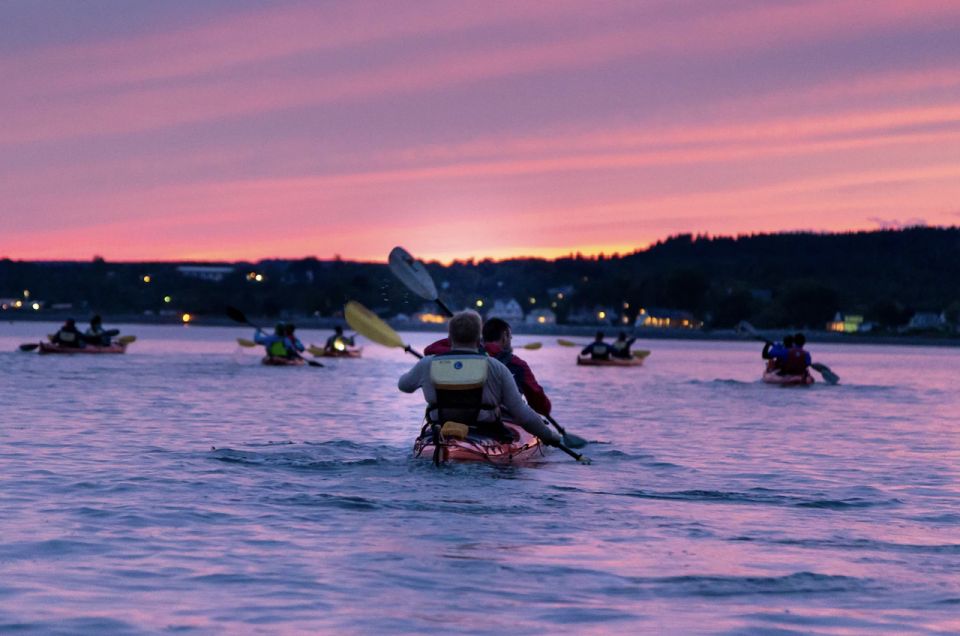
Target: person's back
x=598 y=349
x=68 y=335
x=496 y=391
x=291 y=342
x=275 y=343
x=775 y=353
x=621 y=346
x=797 y=360
x=96 y=334
x=338 y=341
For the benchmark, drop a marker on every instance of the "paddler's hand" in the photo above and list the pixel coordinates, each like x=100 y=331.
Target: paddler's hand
x=552 y=438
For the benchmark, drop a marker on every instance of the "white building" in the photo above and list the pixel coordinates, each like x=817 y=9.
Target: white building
x=510 y=310
x=213 y=273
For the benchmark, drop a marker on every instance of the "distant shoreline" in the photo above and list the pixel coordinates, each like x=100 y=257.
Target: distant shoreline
x=581 y=331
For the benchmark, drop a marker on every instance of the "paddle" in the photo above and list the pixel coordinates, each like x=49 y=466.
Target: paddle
x=29 y=346
x=412 y=273
x=238 y=316
x=822 y=369
x=370 y=326
x=125 y=340
x=532 y=346
x=243 y=342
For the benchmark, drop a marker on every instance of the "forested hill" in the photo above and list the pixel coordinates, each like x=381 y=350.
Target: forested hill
x=770 y=279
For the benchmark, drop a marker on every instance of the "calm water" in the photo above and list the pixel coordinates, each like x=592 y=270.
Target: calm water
x=185 y=488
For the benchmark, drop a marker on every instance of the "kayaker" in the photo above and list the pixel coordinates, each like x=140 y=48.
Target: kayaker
x=797 y=360
x=293 y=344
x=621 y=346
x=275 y=343
x=775 y=353
x=338 y=342
x=499 y=390
x=95 y=334
x=68 y=335
x=598 y=349
x=497 y=342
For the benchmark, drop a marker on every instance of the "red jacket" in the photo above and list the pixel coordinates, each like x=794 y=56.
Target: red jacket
x=526 y=381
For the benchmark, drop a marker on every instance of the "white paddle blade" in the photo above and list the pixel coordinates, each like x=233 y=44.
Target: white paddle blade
x=412 y=273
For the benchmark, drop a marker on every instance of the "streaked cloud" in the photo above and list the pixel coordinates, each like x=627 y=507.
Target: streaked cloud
x=567 y=126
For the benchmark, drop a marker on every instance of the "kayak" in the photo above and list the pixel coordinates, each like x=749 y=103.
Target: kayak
x=523 y=447
x=282 y=362
x=772 y=377
x=349 y=352
x=49 y=347
x=587 y=361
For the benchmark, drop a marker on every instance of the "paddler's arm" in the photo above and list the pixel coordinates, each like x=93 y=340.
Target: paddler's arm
x=522 y=414
x=414 y=378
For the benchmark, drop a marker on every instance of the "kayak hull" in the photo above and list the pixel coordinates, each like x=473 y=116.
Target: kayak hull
x=524 y=447
x=587 y=361
x=772 y=377
x=272 y=361
x=49 y=347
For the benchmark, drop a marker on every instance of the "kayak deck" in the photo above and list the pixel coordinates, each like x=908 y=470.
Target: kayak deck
x=524 y=447
x=349 y=352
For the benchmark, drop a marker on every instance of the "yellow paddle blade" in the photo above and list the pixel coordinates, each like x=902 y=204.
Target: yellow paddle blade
x=243 y=342
x=125 y=340
x=369 y=325
x=642 y=353
x=315 y=350
x=566 y=343
x=532 y=346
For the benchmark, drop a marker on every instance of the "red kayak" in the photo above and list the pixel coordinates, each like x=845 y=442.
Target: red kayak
x=523 y=447
x=772 y=377
x=49 y=347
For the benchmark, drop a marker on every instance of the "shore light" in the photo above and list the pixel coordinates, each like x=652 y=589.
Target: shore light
x=479 y=303
x=36 y=306
x=167 y=299
x=146 y=278
x=533 y=301
x=601 y=315
x=186 y=318
x=26 y=293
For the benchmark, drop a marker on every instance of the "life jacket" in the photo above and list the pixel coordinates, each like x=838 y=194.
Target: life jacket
x=458 y=379
x=600 y=350
x=277 y=349
x=795 y=362
x=67 y=337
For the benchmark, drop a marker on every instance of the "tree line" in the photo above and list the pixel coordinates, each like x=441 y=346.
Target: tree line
x=773 y=280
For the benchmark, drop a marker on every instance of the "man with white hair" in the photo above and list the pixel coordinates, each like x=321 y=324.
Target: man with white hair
x=499 y=390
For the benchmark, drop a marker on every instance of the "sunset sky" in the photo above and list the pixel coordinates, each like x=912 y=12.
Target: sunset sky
x=240 y=129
